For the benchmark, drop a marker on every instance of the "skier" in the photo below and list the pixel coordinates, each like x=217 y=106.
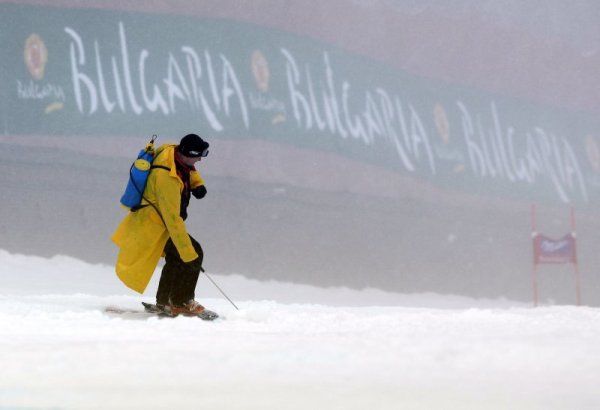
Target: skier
x=156 y=228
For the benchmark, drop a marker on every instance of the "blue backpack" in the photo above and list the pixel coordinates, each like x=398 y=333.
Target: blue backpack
x=138 y=176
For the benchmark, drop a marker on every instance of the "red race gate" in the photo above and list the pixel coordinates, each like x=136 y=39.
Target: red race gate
x=547 y=250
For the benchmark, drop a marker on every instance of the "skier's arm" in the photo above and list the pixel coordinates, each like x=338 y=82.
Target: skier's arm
x=197 y=185
x=169 y=202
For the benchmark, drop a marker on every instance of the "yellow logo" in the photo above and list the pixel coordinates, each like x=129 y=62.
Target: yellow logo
x=441 y=123
x=36 y=56
x=260 y=70
x=593 y=152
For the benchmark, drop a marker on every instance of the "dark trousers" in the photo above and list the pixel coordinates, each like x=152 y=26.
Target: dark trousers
x=178 y=279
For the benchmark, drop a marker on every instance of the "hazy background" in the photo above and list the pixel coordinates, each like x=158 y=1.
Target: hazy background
x=301 y=202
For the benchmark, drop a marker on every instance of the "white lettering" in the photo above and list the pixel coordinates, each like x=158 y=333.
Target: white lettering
x=493 y=154
x=157 y=101
x=129 y=86
x=77 y=54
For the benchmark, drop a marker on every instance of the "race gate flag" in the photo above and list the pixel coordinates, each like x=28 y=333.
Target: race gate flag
x=548 y=250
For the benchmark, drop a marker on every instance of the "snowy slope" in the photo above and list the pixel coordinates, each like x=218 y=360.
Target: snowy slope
x=289 y=347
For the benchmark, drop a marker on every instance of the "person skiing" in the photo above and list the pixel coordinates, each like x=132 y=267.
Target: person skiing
x=156 y=228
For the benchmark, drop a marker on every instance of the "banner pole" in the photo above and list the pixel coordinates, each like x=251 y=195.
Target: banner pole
x=534 y=266
x=577 y=283
x=575 y=262
x=535 y=285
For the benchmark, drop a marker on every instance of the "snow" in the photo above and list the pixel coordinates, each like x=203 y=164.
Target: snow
x=288 y=347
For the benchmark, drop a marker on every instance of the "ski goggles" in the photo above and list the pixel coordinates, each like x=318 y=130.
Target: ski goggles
x=196 y=154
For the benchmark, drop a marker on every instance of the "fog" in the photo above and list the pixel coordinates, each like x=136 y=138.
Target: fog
x=394 y=145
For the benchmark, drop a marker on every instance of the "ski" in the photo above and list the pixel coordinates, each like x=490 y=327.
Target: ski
x=204 y=315
x=151 y=309
x=129 y=313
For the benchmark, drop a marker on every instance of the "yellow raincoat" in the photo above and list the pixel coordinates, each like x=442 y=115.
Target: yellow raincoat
x=142 y=235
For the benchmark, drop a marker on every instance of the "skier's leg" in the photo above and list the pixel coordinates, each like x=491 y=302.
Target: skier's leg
x=169 y=274
x=184 y=286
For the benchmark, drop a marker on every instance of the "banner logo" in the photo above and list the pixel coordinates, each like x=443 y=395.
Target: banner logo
x=441 y=123
x=593 y=152
x=260 y=70
x=36 y=56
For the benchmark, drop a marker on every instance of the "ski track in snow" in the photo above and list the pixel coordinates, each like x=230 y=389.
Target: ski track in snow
x=59 y=349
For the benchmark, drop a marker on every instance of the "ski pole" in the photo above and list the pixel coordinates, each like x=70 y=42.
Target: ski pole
x=220 y=290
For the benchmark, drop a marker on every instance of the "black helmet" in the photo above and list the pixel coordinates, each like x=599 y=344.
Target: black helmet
x=193 y=146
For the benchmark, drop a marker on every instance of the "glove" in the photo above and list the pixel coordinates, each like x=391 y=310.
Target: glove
x=199 y=192
x=195 y=265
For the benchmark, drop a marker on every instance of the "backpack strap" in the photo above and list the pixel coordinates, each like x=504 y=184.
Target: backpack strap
x=160 y=167
x=137 y=208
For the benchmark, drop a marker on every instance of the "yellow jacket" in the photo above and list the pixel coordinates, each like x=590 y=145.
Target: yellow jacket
x=142 y=235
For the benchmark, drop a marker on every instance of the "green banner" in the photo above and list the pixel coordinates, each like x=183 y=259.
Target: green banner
x=95 y=72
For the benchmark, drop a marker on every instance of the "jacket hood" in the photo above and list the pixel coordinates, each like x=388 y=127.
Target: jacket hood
x=165 y=157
